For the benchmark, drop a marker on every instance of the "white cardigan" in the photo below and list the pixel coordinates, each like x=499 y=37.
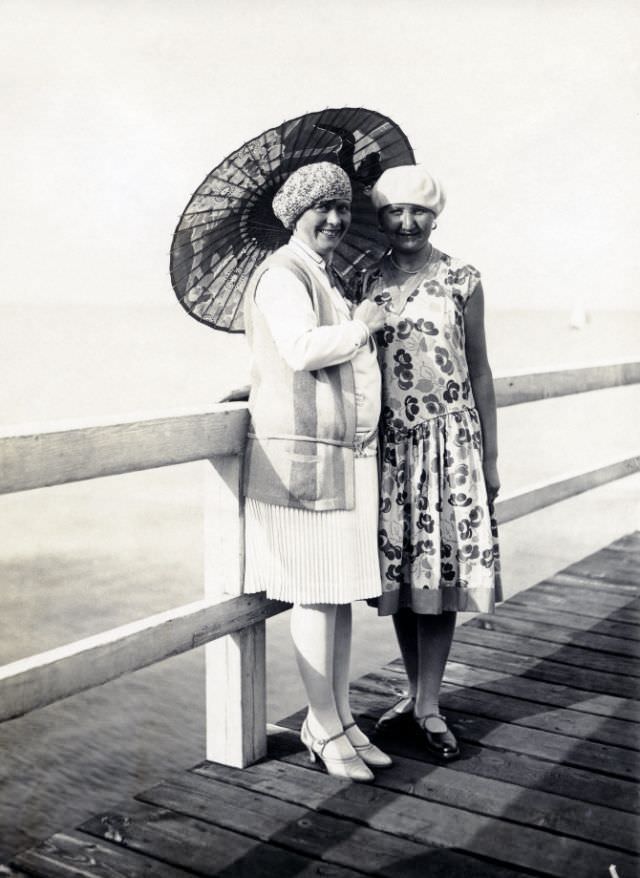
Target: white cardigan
x=284 y=303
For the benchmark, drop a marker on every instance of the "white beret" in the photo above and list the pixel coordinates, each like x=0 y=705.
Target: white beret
x=408 y=184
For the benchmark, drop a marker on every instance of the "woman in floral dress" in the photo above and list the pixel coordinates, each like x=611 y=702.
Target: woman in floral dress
x=439 y=478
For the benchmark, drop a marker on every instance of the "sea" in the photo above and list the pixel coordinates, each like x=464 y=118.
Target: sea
x=84 y=557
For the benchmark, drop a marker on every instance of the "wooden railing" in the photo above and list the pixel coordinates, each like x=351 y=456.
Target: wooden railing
x=230 y=625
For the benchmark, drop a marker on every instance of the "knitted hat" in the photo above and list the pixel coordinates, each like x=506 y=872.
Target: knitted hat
x=321 y=181
x=408 y=184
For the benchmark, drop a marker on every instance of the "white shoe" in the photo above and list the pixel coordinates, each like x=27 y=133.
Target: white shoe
x=369 y=753
x=351 y=767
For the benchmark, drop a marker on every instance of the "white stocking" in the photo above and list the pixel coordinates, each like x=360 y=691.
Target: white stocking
x=341 y=662
x=313 y=632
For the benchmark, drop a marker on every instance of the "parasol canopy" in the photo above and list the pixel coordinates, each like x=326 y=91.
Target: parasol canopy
x=228 y=226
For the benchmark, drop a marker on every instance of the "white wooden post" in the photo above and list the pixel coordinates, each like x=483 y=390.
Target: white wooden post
x=235 y=664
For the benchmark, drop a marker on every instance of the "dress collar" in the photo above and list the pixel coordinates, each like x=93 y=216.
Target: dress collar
x=326 y=269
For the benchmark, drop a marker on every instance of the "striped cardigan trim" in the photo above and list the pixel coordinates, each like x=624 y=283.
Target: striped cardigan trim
x=300 y=451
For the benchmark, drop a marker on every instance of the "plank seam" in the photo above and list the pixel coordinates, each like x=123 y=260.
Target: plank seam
x=597 y=650
x=291 y=848
x=499 y=749
x=483 y=687
x=519 y=611
x=632 y=672
x=380 y=784
x=514 y=602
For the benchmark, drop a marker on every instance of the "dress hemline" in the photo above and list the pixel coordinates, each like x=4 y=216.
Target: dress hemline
x=433 y=602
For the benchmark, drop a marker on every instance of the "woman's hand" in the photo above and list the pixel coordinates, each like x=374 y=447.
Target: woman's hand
x=371 y=314
x=491 y=479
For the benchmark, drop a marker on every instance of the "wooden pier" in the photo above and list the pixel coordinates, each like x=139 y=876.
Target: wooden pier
x=543 y=696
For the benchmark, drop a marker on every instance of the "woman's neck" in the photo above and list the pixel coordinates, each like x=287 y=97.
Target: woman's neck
x=321 y=258
x=411 y=263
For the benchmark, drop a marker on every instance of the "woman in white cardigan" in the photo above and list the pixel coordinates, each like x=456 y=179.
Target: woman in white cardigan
x=310 y=464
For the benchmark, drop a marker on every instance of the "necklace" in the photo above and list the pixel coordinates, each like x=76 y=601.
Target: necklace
x=409 y=270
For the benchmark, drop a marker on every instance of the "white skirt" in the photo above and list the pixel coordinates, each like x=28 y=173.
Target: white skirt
x=305 y=557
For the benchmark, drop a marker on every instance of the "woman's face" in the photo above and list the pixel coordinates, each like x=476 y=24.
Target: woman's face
x=407 y=226
x=324 y=225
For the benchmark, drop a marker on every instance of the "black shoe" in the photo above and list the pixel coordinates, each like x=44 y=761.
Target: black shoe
x=441 y=744
x=401 y=710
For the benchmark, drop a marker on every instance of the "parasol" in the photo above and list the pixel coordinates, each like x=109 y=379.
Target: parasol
x=228 y=226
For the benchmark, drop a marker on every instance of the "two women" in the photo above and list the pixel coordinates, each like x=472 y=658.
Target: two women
x=311 y=482
x=311 y=478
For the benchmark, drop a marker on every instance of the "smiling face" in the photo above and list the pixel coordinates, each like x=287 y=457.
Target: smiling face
x=324 y=225
x=407 y=226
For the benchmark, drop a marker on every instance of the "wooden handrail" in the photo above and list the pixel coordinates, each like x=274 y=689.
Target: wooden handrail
x=40 y=458
x=540 y=496
x=524 y=387
x=46 y=677
x=33 y=457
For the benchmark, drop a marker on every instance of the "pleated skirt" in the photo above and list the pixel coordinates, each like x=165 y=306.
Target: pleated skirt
x=305 y=557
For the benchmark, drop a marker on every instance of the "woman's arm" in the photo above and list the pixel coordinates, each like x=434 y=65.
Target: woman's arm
x=482 y=386
x=284 y=303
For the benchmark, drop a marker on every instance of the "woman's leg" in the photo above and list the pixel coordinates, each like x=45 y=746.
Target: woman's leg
x=434 y=637
x=313 y=630
x=342 y=662
x=371 y=755
x=405 y=622
x=341 y=666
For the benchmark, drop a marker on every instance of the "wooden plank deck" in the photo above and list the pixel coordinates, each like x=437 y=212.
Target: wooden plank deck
x=544 y=698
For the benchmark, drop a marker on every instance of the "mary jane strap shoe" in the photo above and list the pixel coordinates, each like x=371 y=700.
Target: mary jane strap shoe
x=441 y=744
x=369 y=753
x=351 y=767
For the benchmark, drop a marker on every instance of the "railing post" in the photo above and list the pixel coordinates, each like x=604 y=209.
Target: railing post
x=235 y=664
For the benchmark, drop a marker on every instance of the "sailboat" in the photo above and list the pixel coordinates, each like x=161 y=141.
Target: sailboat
x=579 y=316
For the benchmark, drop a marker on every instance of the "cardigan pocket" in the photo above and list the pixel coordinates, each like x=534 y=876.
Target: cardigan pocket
x=303 y=479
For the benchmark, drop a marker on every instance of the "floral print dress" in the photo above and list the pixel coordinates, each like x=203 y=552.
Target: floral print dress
x=437 y=535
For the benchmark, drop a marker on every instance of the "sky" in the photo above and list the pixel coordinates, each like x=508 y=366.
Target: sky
x=113 y=111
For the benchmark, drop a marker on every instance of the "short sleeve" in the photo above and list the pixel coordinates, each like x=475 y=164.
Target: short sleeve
x=474 y=281
x=464 y=280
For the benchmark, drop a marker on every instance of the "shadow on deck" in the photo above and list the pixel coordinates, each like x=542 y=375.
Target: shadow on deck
x=543 y=697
